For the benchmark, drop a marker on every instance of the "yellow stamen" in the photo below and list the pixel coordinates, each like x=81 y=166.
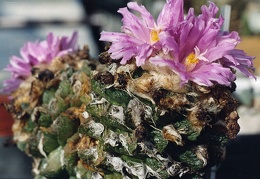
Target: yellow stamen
x=154 y=36
x=191 y=61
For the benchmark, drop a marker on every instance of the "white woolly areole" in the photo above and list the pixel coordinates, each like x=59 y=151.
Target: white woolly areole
x=116 y=162
x=36 y=166
x=123 y=141
x=92 y=152
x=76 y=88
x=78 y=175
x=112 y=139
x=85 y=115
x=62 y=161
x=97 y=100
x=118 y=113
x=96 y=128
x=135 y=109
x=40 y=146
x=137 y=169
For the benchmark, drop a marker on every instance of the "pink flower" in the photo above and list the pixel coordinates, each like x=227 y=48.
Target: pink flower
x=195 y=48
x=142 y=37
x=205 y=54
x=35 y=53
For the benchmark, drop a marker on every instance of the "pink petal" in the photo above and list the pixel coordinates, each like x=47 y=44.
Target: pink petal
x=10 y=85
x=176 y=67
x=171 y=14
x=168 y=43
x=69 y=42
x=146 y=16
x=206 y=74
x=144 y=52
x=134 y=26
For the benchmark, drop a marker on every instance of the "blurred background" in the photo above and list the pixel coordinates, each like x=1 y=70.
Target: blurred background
x=29 y=20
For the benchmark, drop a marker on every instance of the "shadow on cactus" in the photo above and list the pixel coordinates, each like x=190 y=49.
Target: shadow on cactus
x=158 y=103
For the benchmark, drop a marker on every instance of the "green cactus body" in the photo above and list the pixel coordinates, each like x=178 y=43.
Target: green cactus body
x=119 y=121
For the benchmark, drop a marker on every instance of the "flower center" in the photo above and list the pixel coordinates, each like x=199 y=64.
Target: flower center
x=154 y=36
x=191 y=61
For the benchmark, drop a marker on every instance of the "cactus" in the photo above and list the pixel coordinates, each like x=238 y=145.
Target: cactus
x=101 y=122
x=122 y=117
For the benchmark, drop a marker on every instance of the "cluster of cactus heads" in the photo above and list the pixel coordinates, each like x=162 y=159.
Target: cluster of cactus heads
x=83 y=118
